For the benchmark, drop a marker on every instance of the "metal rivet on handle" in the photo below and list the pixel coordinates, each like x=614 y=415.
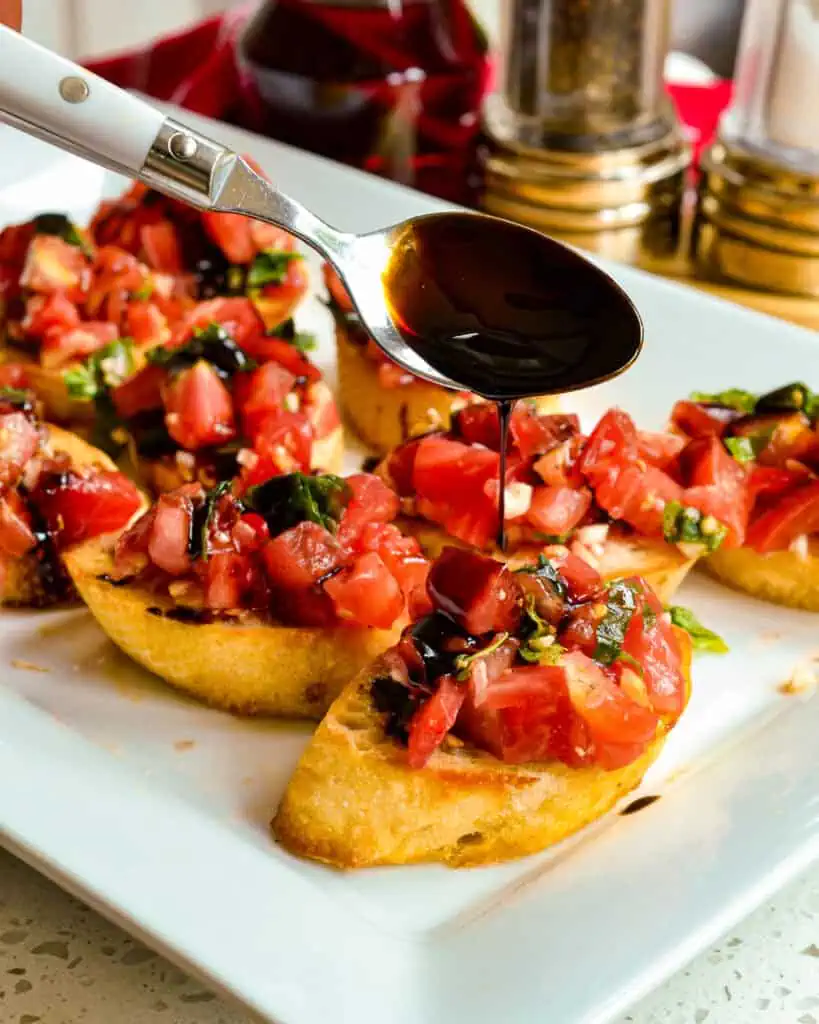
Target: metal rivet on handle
x=182 y=146
x=74 y=89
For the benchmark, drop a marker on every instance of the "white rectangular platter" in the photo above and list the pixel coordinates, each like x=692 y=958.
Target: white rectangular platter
x=156 y=810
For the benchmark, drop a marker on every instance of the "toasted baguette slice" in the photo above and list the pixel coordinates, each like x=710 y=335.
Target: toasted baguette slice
x=385 y=417
x=662 y=565
x=25 y=583
x=248 y=666
x=782 y=577
x=354 y=802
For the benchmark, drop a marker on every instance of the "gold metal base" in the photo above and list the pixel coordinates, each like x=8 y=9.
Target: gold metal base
x=757 y=223
x=623 y=204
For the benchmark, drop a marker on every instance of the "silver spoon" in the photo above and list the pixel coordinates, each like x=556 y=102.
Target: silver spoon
x=567 y=326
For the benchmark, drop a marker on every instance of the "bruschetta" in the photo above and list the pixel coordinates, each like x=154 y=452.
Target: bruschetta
x=215 y=254
x=262 y=599
x=384 y=404
x=607 y=496
x=760 y=453
x=55 y=491
x=222 y=395
x=63 y=299
x=522 y=708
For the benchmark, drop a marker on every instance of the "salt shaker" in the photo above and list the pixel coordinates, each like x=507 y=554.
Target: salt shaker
x=757 y=222
x=582 y=140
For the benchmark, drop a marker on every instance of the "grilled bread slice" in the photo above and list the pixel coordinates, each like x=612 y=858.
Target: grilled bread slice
x=783 y=577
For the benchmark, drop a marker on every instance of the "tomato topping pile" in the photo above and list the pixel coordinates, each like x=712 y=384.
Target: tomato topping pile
x=560 y=481
x=46 y=504
x=66 y=299
x=754 y=463
x=306 y=550
x=224 y=386
x=543 y=664
x=218 y=254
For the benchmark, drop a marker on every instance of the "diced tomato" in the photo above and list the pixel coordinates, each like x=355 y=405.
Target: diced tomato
x=480 y=594
x=366 y=593
x=232 y=233
x=13 y=375
x=60 y=347
x=19 y=442
x=16 y=536
x=535 y=433
x=283 y=440
x=170 y=533
x=655 y=647
x=771 y=481
x=227 y=579
x=14 y=243
x=279 y=301
x=264 y=347
x=371 y=501
x=79 y=507
x=238 y=317
x=250 y=533
x=794 y=514
x=478 y=423
x=433 y=720
x=262 y=393
x=44 y=312
x=519 y=715
x=336 y=289
x=610 y=715
x=559 y=467
x=140 y=392
x=659 y=449
x=637 y=495
x=320 y=409
x=160 y=246
x=614 y=438
x=698 y=420
x=450 y=471
x=557 y=510
x=301 y=556
x=401 y=467
x=144 y=322
x=199 y=408
x=53 y=265
x=403 y=557
x=582 y=580
x=719 y=486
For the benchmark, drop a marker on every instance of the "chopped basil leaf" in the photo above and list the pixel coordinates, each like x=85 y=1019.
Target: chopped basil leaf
x=202 y=518
x=702 y=639
x=94 y=380
x=683 y=524
x=104 y=369
x=540 y=646
x=211 y=343
x=17 y=398
x=621 y=603
x=545 y=570
x=733 y=398
x=285 y=501
x=302 y=341
x=465 y=662
x=551 y=538
x=61 y=226
x=795 y=397
x=145 y=290
x=748 y=448
x=269 y=267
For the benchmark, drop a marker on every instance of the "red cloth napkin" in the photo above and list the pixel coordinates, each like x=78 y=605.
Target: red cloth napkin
x=196 y=68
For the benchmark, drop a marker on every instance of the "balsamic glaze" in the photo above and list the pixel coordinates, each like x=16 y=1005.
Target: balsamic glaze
x=506 y=312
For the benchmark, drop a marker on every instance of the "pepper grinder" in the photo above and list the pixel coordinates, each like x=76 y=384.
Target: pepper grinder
x=582 y=141
x=757 y=220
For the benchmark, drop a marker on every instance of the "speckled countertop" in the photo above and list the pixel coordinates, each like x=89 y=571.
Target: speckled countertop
x=60 y=963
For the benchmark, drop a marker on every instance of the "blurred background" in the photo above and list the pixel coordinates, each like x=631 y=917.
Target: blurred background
x=706 y=29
